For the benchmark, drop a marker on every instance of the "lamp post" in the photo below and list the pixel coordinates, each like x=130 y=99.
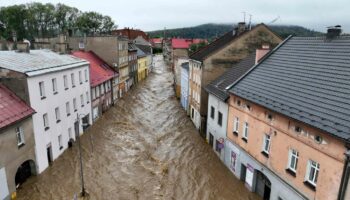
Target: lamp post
x=83 y=192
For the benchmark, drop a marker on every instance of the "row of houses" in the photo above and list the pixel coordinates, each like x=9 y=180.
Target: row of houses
x=276 y=112
x=51 y=94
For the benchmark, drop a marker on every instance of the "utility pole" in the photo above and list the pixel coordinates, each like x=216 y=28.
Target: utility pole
x=250 y=21
x=83 y=192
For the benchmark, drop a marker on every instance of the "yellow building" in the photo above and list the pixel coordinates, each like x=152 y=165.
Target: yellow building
x=142 y=67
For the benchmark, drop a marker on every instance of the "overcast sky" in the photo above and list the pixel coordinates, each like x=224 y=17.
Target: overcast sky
x=157 y=14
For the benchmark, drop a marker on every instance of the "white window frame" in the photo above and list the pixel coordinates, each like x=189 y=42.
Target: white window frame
x=65 y=81
x=60 y=146
x=67 y=108
x=293 y=155
x=72 y=79
x=93 y=93
x=20 y=136
x=70 y=132
x=75 y=104
x=42 y=89
x=80 y=78
x=315 y=167
x=220 y=122
x=57 y=114
x=212 y=112
x=82 y=100
x=46 y=121
x=54 y=86
x=267 y=143
x=86 y=75
x=246 y=130
x=87 y=98
x=236 y=125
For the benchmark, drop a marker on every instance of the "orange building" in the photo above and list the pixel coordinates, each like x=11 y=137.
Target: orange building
x=288 y=125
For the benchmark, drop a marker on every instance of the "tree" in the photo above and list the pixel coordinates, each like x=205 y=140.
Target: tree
x=196 y=47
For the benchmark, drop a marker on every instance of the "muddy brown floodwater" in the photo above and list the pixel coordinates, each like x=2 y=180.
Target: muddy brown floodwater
x=145 y=147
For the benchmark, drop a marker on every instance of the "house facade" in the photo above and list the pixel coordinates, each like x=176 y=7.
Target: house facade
x=101 y=81
x=288 y=136
x=184 y=85
x=57 y=87
x=142 y=70
x=215 y=58
x=178 y=75
x=17 y=146
x=132 y=56
x=123 y=65
x=147 y=50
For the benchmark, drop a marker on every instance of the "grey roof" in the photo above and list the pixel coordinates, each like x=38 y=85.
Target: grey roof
x=219 y=85
x=131 y=47
x=145 y=48
x=185 y=65
x=140 y=53
x=307 y=79
x=38 y=61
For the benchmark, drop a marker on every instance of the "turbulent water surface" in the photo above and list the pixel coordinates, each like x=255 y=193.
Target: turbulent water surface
x=145 y=147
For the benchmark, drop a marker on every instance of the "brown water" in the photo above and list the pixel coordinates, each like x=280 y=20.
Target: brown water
x=143 y=148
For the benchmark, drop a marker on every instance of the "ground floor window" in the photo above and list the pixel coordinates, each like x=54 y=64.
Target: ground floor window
x=313 y=169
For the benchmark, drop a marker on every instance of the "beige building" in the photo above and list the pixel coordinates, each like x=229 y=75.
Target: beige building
x=215 y=58
x=17 y=147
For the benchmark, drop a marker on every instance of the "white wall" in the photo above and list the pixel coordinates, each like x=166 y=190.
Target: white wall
x=48 y=105
x=4 y=191
x=212 y=124
x=184 y=88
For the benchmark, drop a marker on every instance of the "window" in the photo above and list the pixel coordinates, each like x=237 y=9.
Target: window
x=75 y=104
x=70 y=132
x=192 y=115
x=212 y=112
x=86 y=75
x=313 y=169
x=80 y=78
x=318 y=139
x=245 y=132
x=236 y=125
x=97 y=91
x=87 y=97
x=293 y=160
x=220 y=118
x=57 y=113
x=54 y=86
x=93 y=93
x=72 y=79
x=46 y=121
x=102 y=89
x=67 y=108
x=266 y=145
x=65 y=82
x=20 y=136
x=82 y=100
x=60 y=142
x=42 y=89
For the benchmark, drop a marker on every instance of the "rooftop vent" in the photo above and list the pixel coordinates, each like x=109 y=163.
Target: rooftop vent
x=333 y=31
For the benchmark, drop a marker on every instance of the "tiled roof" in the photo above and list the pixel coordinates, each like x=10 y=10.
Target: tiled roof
x=218 y=44
x=307 y=79
x=100 y=71
x=37 y=61
x=156 y=40
x=178 y=43
x=131 y=47
x=12 y=108
x=140 y=53
x=146 y=49
x=219 y=85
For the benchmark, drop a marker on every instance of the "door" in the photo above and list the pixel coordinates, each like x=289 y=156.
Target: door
x=263 y=186
x=211 y=140
x=49 y=154
x=76 y=129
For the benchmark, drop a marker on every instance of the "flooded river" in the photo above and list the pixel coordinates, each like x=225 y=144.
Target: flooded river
x=145 y=147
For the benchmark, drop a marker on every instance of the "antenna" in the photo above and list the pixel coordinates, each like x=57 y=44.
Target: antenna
x=274 y=20
x=244 y=16
x=250 y=22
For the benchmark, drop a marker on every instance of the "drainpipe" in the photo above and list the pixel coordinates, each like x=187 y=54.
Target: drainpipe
x=346 y=175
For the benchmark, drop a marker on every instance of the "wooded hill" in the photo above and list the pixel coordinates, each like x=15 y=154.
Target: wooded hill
x=210 y=31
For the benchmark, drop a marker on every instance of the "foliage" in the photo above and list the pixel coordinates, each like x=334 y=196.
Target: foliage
x=196 y=47
x=212 y=31
x=46 y=20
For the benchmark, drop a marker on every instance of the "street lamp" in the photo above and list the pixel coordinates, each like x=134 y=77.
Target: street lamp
x=83 y=192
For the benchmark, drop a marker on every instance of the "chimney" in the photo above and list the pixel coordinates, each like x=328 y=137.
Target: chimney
x=333 y=31
x=23 y=46
x=240 y=28
x=260 y=53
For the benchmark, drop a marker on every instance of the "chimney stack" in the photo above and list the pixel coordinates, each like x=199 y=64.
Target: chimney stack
x=260 y=53
x=333 y=31
x=23 y=46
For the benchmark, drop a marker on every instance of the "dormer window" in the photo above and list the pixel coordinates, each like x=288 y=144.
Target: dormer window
x=270 y=116
x=248 y=107
x=239 y=102
x=318 y=139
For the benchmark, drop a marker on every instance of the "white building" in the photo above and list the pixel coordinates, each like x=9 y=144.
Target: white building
x=57 y=87
x=184 y=85
x=218 y=109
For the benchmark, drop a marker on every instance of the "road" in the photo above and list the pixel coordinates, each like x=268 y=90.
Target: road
x=145 y=147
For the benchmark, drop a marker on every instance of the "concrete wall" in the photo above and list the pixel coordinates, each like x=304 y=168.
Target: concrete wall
x=329 y=154
x=44 y=138
x=12 y=156
x=212 y=123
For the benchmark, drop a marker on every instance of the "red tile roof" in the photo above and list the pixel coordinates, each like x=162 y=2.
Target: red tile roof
x=12 y=108
x=100 y=71
x=156 y=40
x=184 y=43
